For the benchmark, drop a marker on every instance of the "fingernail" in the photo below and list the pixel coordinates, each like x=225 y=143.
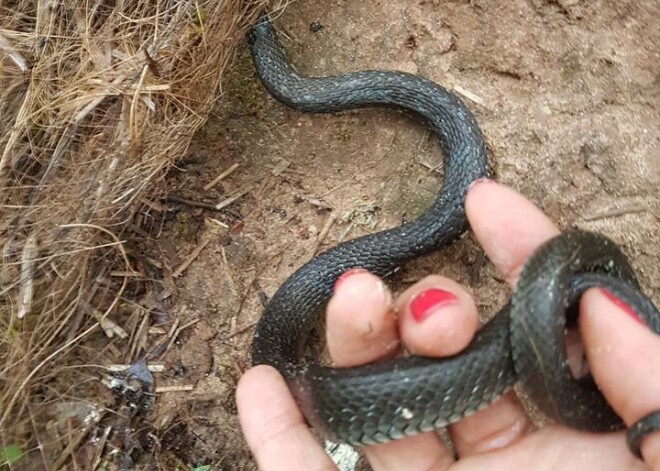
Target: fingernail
x=430 y=301
x=620 y=304
x=347 y=274
x=479 y=181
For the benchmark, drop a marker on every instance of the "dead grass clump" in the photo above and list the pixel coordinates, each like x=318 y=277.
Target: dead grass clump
x=97 y=99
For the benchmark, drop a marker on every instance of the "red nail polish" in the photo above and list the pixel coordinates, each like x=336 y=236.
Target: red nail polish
x=623 y=306
x=348 y=273
x=429 y=301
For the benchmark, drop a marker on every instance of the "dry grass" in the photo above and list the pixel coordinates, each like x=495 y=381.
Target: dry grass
x=97 y=100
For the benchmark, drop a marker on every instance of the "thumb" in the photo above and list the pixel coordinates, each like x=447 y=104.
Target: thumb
x=623 y=356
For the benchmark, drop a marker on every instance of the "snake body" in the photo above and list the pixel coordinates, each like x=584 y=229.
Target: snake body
x=523 y=342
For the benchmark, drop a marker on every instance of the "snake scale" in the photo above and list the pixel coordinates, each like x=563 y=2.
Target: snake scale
x=523 y=342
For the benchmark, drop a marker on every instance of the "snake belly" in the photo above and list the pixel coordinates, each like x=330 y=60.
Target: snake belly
x=387 y=400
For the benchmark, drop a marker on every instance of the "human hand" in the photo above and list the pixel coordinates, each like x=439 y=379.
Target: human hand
x=437 y=317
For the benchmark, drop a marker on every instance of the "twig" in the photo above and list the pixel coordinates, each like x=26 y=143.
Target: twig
x=263 y=297
x=318 y=203
x=324 y=232
x=263 y=186
x=615 y=213
x=470 y=96
x=166 y=389
x=154 y=367
x=30 y=251
x=176 y=334
x=280 y=167
x=188 y=202
x=100 y=446
x=220 y=177
x=191 y=258
x=173 y=329
x=331 y=190
x=13 y=54
x=228 y=201
x=137 y=336
x=241 y=329
x=153 y=205
x=345 y=233
x=110 y=328
x=218 y=223
x=126 y=274
x=243 y=299
x=156 y=330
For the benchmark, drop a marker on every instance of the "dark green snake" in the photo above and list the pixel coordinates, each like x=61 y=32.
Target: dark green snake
x=523 y=342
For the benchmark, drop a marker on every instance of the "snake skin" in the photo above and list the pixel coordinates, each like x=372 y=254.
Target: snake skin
x=388 y=400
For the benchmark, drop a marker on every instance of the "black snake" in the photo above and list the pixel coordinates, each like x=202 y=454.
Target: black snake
x=523 y=342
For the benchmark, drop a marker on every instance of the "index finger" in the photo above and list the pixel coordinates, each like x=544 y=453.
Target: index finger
x=508 y=226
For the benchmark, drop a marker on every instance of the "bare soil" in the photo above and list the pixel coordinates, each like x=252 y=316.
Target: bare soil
x=567 y=93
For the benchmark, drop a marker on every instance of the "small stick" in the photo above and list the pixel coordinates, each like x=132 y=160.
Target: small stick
x=193 y=203
x=228 y=201
x=177 y=332
x=318 y=203
x=110 y=327
x=324 y=232
x=29 y=255
x=241 y=329
x=263 y=186
x=166 y=389
x=154 y=367
x=219 y=223
x=344 y=183
x=470 y=96
x=242 y=300
x=174 y=328
x=13 y=54
x=100 y=446
x=152 y=204
x=432 y=168
x=615 y=213
x=126 y=274
x=220 y=177
x=155 y=330
x=345 y=233
x=137 y=336
x=191 y=258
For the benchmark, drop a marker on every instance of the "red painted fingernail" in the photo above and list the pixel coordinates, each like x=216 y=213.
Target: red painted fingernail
x=348 y=273
x=429 y=301
x=623 y=306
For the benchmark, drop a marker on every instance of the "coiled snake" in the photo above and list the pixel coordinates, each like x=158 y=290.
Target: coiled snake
x=523 y=342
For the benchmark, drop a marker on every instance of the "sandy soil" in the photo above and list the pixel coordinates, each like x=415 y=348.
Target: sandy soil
x=567 y=94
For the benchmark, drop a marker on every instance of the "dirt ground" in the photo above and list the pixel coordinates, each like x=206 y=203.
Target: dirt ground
x=567 y=94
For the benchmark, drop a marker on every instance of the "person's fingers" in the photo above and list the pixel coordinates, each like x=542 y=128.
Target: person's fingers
x=509 y=228
x=437 y=317
x=360 y=324
x=623 y=356
x=500 y=425
x=274 y=428
x=361 y=328
x=558 y=448
x=424 y=452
